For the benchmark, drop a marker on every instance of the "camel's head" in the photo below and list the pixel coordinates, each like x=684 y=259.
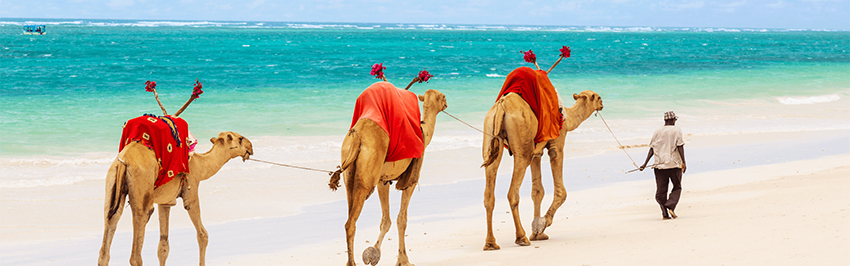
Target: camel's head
x=235 y=143
x=433 y=100
x=592 y=99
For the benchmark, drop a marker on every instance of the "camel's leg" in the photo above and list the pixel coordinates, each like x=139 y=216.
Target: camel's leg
x=110 y=222
x=556 y=159
x=193 y=207
x=537 y=193
x=164 y=211
x=401 y=223
x=490 y=200
x=537 y=190
x=373 y=254
x=141 y=204
x=358 y=188
x=521 y=163
x=356 y=197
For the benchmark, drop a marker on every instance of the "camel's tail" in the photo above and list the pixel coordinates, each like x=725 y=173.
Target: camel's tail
x=350 y=150
x=118 y=190
x=493 y=140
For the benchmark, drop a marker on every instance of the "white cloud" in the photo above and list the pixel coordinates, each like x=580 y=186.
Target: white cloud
x=255 y=4
x=540 y=11
x=224 y=7
x=330 y=4
x=120 y=3
x=570 y=6
x=735 y=4
x=778 y=4
x=679 y=5
x=732 y=7
x=691 y=5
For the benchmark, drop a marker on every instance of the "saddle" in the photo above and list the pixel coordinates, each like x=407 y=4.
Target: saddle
x=535 y=88
x=167 y=137
x=397 y=112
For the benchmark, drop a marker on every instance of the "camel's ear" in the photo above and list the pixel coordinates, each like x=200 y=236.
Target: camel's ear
x=576 y=96
x=212 y=140
x=421 y=98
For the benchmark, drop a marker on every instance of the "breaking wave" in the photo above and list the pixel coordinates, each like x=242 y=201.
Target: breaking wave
x=809 y=100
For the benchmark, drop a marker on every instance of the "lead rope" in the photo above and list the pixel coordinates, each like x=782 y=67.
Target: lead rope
x=618 y=141
x=467 y=124
x=293 y=166
x=597 y=113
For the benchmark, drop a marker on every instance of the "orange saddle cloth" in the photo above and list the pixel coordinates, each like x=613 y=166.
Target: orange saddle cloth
x=535 y=88
x=397 y=112
x=166 y=137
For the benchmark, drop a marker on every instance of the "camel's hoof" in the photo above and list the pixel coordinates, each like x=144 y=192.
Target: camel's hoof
x=371 y=256
x=538 y=225
x=404 y=264
x=540 y=236
x=491 y=246
x=522 y=241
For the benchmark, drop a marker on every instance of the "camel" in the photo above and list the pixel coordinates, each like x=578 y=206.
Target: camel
x=133 y=173
x=511 y=122
x=364 y=166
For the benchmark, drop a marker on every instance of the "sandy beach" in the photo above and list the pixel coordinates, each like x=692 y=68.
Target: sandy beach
x=749 y=199
x=763 y=100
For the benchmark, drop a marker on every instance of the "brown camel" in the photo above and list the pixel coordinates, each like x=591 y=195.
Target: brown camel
x=364 y=167
x=512 y=120
x=133 y=173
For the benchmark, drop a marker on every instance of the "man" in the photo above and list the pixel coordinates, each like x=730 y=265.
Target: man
x=668 y=147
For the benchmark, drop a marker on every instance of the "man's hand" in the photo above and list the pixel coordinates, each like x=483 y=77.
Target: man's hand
x=684 y=168
x=642 y=167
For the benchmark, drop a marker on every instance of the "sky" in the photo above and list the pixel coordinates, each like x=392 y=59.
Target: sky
x=782 y=14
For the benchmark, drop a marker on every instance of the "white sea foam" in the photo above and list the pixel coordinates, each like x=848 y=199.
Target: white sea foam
x=495 y=76
x=52 y=171
x=809 y=100
x=454 y=142
x=45 y=182
x=53 y=162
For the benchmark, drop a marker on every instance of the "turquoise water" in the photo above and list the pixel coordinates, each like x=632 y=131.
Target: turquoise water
x=68 y=92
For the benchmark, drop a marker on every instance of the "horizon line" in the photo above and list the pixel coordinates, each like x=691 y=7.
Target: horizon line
x=437 y=23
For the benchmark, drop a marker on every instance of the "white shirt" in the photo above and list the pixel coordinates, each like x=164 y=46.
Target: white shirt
x=663 y=144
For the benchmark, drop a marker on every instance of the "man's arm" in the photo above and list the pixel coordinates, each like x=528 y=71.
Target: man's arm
x=649 y=155
x=681 y=150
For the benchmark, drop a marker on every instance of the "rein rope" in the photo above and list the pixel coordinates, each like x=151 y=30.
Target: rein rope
x=293 y=166
x=615 y=138
x=467 y=124
x=597 y=113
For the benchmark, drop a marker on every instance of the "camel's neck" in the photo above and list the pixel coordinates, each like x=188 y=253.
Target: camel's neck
x=203 y=166
x=576 y=114
x=429 y=120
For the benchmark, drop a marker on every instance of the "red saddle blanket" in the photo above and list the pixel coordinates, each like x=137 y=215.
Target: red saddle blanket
x=166 y=137
x=397 y=112
x=535 y=88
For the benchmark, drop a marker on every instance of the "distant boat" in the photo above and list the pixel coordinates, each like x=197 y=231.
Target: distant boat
x=35 y=29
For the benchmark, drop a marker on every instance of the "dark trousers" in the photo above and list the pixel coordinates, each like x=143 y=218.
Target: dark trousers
x=661 y=178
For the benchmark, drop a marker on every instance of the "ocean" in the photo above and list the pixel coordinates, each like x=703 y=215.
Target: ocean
x=292 y=86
